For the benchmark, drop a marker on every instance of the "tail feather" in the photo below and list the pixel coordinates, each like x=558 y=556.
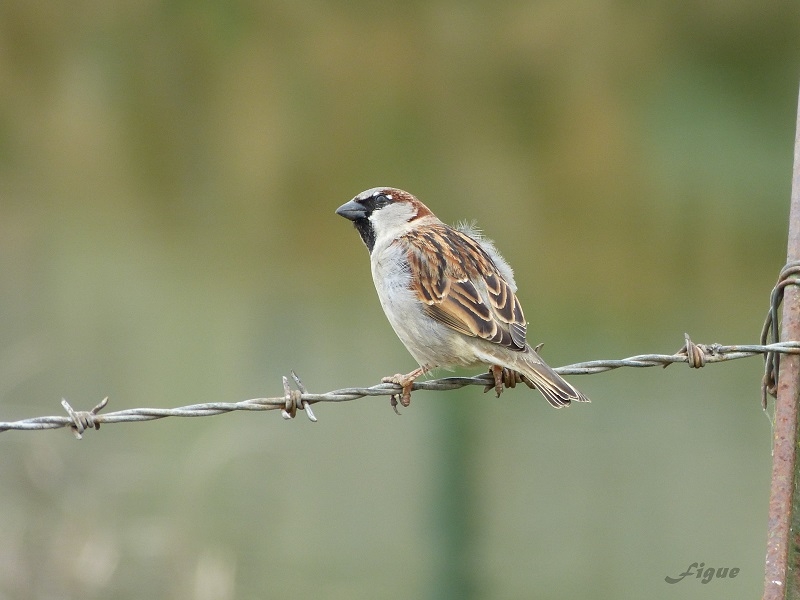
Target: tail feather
x=555 y=389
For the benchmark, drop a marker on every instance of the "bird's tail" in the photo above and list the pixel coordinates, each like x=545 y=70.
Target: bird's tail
x=556 y=390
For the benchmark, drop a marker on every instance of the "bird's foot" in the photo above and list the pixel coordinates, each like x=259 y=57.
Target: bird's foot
x=505 y=378
x=406 y=382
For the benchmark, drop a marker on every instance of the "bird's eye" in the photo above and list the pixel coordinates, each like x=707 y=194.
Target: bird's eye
x=381 y=200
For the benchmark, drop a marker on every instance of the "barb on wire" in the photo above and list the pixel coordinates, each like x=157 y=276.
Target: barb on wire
x=299 y=399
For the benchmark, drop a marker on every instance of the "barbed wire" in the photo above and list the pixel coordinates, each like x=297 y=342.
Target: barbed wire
x=299 y=399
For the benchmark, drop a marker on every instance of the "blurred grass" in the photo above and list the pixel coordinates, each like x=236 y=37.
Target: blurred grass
x=168 y=175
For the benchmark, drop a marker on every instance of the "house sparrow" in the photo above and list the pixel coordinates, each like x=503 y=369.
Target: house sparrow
x=449 y=295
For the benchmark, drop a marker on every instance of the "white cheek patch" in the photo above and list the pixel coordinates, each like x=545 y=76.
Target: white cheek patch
x=392 y=220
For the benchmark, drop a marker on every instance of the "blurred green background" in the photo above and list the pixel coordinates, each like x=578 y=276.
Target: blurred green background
x=168 y=176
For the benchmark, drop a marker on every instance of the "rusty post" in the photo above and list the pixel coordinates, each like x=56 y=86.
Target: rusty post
x=780 y=580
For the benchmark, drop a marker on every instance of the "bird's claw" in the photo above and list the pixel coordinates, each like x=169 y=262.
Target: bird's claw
x=405 y=382
x=505 y=378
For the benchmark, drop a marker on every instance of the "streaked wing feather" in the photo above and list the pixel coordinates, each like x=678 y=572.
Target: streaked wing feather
x=456 y=274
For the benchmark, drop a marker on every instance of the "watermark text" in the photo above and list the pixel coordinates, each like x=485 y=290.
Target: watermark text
x=704 y=574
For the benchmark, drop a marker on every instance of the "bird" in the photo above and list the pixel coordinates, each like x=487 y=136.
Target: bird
x=449 y=296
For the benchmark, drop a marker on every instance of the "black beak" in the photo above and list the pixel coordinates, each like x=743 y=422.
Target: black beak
x=352 y=210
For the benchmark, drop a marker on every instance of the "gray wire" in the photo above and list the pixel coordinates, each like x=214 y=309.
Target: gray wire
x=697 y=355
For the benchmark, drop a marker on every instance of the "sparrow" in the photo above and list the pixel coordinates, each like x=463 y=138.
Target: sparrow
x=449 y=296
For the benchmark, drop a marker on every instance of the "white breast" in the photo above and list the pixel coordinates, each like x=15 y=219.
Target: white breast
x=392 y=282
x=431 y=343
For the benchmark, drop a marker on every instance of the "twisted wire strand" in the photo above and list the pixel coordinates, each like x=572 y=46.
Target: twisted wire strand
x=299 y=399
x=771 y=329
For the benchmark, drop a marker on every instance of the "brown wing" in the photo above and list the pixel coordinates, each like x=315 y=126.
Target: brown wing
x=456 y=277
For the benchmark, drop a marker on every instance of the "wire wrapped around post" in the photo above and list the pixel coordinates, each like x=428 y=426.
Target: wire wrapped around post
x=780 y=571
